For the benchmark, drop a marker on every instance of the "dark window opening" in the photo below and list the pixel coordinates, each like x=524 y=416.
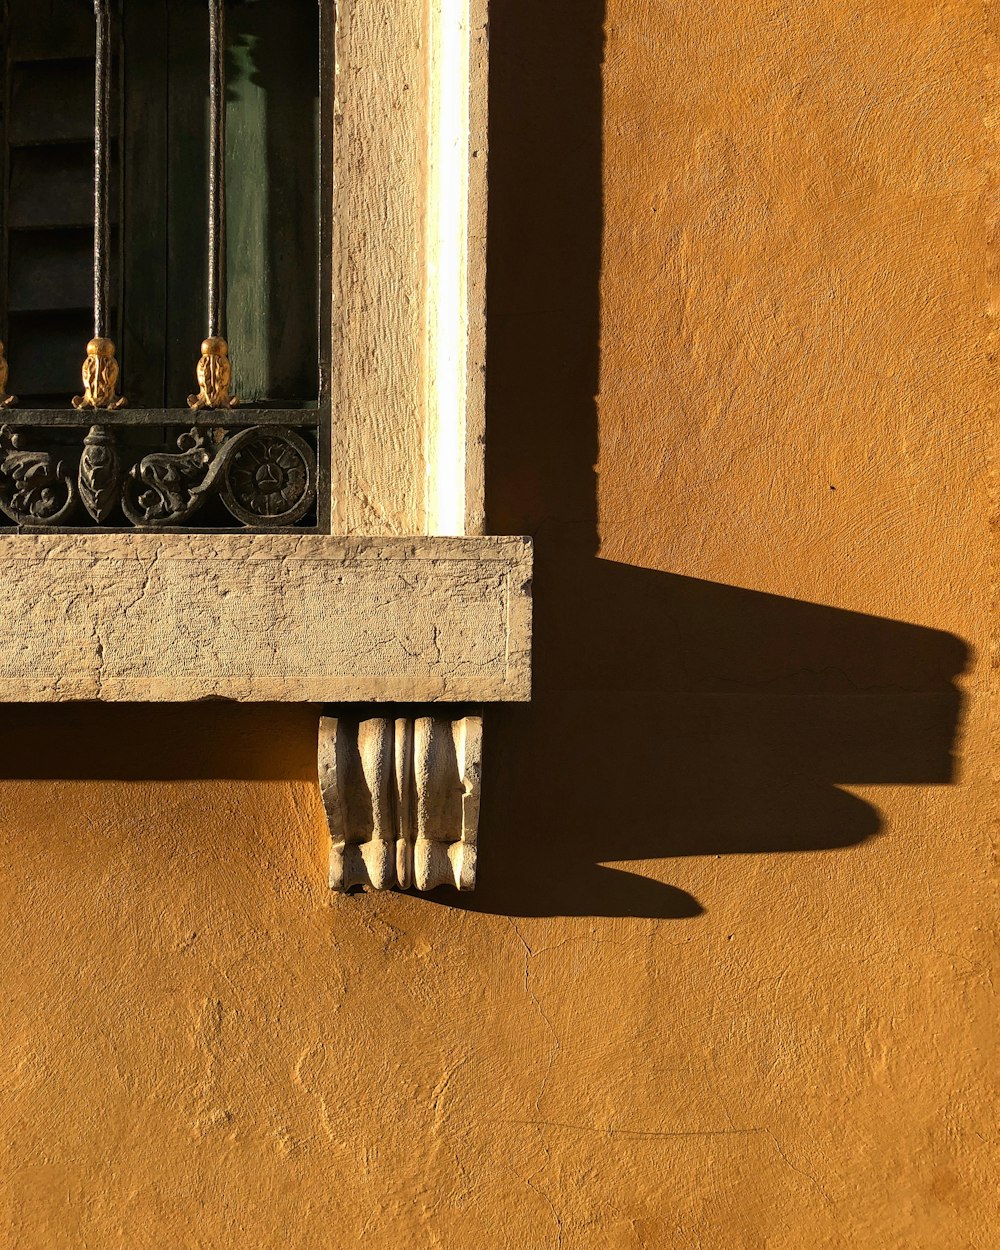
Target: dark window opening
x=277 y=228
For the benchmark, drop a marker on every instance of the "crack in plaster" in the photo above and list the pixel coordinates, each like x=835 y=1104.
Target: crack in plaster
x=442 y=1088
x=611 y=1132
x=529 y=954
x=306 y=1074
x=99 y=646
x=801 y=1171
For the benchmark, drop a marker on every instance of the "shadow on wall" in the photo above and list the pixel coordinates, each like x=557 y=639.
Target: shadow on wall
x=677 y=717
x=671 y=716
x=159 y=742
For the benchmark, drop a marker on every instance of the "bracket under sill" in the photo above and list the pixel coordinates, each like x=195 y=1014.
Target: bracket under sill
x=401 y=792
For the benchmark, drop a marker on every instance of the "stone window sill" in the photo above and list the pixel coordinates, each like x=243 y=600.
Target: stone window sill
x=267 y=618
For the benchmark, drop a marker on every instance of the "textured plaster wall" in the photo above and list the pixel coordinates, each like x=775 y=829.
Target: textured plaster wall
x=755 y=233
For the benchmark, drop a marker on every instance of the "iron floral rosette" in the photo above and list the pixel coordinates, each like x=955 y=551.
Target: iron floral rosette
x=269 y=478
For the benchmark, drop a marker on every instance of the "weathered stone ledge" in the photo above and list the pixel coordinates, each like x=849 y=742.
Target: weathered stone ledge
x=164 y=617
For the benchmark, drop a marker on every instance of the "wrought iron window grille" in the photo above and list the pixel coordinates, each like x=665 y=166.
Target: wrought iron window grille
x=95 y=461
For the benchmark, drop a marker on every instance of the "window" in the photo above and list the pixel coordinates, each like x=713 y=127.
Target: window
x=395 y=600
x=155 y=462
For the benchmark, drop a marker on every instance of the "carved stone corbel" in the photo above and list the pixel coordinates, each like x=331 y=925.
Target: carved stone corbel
x=402 y=798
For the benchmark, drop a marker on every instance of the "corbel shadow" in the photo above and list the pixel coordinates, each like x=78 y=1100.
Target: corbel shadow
x=678 y=717
x=672 y=716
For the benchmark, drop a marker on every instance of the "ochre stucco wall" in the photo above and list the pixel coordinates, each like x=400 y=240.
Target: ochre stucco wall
x=755 y=233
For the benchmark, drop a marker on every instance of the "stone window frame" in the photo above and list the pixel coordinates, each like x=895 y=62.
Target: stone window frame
x=408 y=617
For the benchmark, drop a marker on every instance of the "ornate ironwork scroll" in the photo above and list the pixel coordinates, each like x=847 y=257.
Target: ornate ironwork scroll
x=100 y=475
x=36 y=487
x=100 y=369
x=264 y=476
x=215 y=370
x=168 y=488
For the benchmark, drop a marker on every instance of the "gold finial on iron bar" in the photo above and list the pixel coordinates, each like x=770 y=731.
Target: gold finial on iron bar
x=6 y=401
x=215 y=374
x=100 y=369
x=100 y=378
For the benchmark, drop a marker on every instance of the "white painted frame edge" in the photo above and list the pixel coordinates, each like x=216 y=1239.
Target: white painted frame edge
x=410 y=212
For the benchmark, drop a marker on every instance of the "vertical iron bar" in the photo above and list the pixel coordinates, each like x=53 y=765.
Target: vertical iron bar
x=102 y=170
x=100 y=369
x=217 y=172
x=215 y=370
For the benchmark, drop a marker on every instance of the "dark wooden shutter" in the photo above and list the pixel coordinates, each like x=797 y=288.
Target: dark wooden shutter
x=273 y=198
x=48 y=157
